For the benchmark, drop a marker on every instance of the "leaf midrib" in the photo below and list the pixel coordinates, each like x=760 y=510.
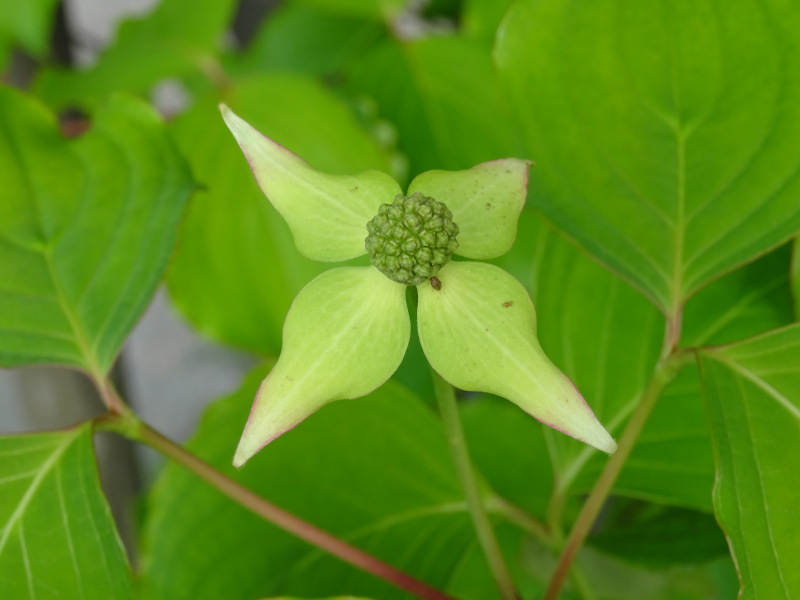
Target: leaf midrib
x=46 y=251
x=44 y=470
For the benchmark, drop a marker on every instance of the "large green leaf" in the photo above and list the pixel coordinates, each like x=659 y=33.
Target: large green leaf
x=440 y=94
x=86 y=229
x=672 y=462
x=752 y=392
x=751 y=300
x=795 y=277
x=26 y=24
x=305 y=39
x=481 y=19
x=509 y=447
x=664 y=133
x=375 y=471
x=614 y=579
x=58 y=538
x=236 y=270
x=336 y=598
x=376 y=9
x=177 y=38
x=659 y=536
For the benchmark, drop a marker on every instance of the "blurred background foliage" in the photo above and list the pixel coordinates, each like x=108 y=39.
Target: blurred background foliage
x=406 y=87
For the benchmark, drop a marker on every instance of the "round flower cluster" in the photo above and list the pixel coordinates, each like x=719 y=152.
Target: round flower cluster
x=412 y=238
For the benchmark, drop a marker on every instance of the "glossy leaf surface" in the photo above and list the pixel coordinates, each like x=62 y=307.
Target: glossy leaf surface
x=375 y=471
x=607 y=338
x=58 y=537
x=86 y=229
x=665 y=134
x=751 y=300
x=753 y=404
x=658 y=536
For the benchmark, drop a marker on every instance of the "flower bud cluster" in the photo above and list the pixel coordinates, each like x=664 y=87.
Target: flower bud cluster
x=412 y=238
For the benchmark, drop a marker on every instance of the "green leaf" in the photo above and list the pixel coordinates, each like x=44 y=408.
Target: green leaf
x=672 y=462
x=482 y=19
x=751 y=300
x=609 y=577
x=505 y=445
x=86 y=229
x=326 y=213
x=795 y=277
x=305 y=39
x=345 y=335
x=375 y=471
x=236 y=270
x=439 y=93
x=664 y=134
x=177 y=39
x=26 y=24
x=658 y=536
x=329 y=598
x=479 y=333
x=376 y=9
x=58 y=537
x=753 y=402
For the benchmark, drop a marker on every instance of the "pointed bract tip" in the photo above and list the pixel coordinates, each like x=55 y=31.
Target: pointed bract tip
x=249 y=443
x=607 y=445
x=248 y=446
x=240 y=456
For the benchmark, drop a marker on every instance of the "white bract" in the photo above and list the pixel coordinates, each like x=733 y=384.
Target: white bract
x=347 y=331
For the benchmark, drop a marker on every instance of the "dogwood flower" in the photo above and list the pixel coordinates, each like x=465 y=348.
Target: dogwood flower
x=347 y=331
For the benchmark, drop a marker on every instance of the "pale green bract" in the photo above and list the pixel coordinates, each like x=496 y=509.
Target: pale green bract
x=347 y=331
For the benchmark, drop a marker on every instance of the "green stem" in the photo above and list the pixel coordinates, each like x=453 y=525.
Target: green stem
x=130 y=426
x=665 y=372
x=446 y=398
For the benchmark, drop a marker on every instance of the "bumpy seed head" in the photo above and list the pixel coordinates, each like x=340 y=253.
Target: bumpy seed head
x=412 y=238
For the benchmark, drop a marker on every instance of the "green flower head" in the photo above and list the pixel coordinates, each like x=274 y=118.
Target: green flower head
x=347 y=331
